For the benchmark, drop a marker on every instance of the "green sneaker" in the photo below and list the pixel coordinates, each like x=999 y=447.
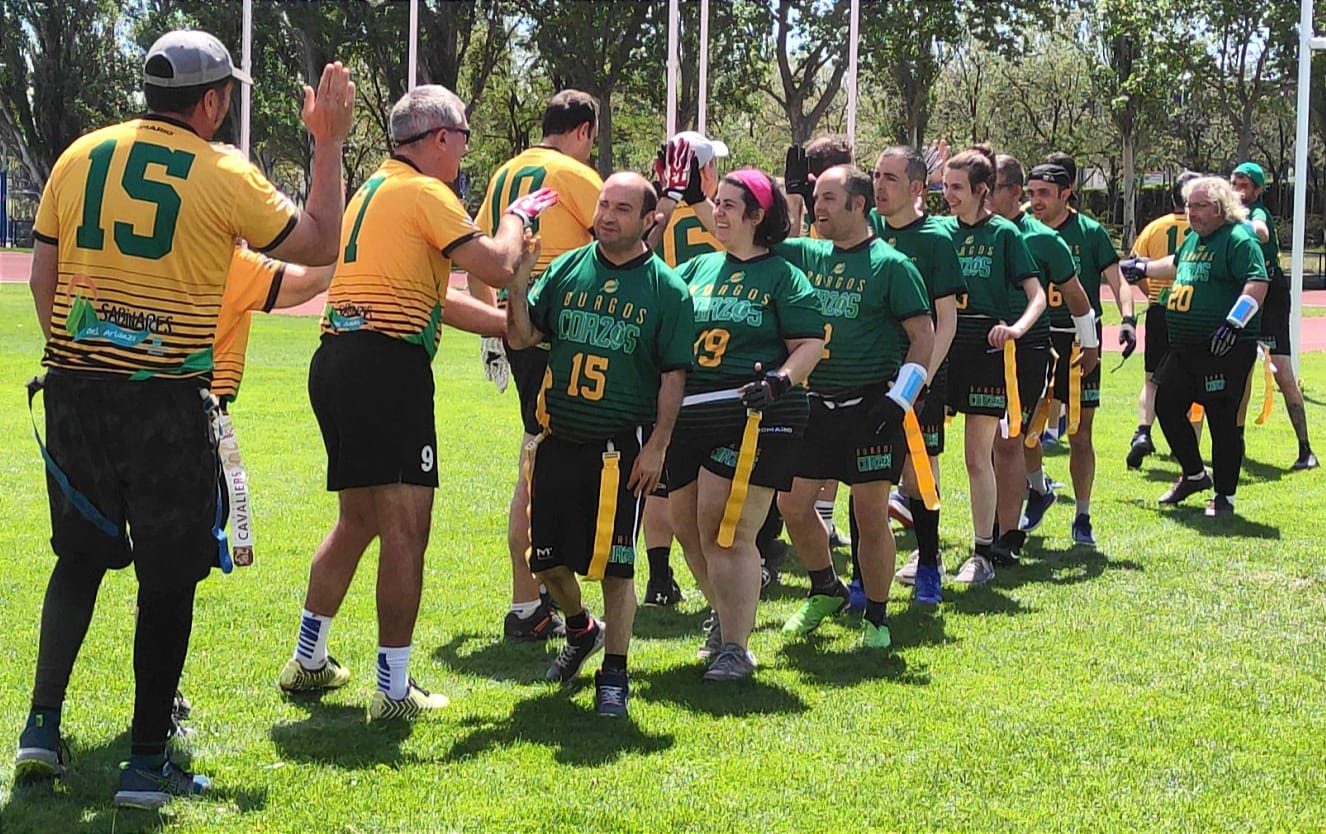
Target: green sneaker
x=875 y=637
x=295 y=678
x=813 y=611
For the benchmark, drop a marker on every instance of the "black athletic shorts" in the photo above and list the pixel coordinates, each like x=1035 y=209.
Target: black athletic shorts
x=774 y=460
x=1157 y=337
x=373 y=397
x=528 y=367
x=976 y=379
x=1275 y=318
x=1063 y=348
x=564 y=504
x=144 y=455
x=1033 y=376
x=840 y=443
x=934 y=410
x=1208 y=378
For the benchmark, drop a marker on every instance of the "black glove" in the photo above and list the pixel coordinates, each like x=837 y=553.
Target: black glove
x=796 y=174
x=693 y=193
x=1224 y=338
x=759 y=394
x=1133 y=270
x=886 y=416
x=1128 y=335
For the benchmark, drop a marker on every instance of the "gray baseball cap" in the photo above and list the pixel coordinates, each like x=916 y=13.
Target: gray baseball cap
x=195 y=58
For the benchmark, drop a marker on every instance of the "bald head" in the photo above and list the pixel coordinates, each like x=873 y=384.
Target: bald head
x=630 y=186
x=625 y=208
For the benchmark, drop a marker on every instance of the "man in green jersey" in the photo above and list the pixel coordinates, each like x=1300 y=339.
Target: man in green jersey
x=1249 y=181
x=1051 y=187
x=618 y=324
x=877 y=331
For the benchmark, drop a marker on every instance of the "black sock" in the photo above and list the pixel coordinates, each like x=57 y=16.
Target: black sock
x=578 y=622
x=1146 y=430
x=925 y=524
x=614 y=663
x=659 y=570
x=161 y=642
x=983 y=547
x=70 y=597
x=854 y=530
x=824 y=581
x=874 y=612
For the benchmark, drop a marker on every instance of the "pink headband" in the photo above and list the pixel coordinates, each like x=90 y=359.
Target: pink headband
x=758 y=184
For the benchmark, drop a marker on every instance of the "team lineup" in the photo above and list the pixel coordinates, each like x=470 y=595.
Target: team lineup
x=699 y=354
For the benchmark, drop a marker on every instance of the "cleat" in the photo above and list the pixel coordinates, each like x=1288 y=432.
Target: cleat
x=713 y=639
x=612 y=691
x=875 y=636
x=927 y=588
x=541 y=625
x=1219 y=507
x=900 y=509
x=837 y=538
x=813 y=611
x=1305 y=461
x=1082 y=530
x=417 y=701
x=977 y=570
x=149 y=790
x=733 y=663
x=1140 y=447
x=577 y=650
x=1009 y=547
x=1037 y=504
x=662 y=594
x=295 y=678
x=856 y=597
x=42 y=755
x=1184 y=487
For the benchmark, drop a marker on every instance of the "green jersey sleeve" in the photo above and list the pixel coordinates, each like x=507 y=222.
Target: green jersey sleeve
x=907 y=294
x=1021 y=263
x=674 y=349
x=798 y=307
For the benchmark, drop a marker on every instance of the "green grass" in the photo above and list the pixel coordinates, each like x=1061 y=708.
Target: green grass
x=1170 y=681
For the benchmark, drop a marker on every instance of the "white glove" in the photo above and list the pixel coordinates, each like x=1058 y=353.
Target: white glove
x=495 y=366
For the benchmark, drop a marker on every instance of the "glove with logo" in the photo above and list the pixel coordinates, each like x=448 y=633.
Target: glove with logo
x=759 y=394
x=1133 y=270
x=673 y=168
x=495 y=365
x=1128 y=335
x=796 y=174
x=529 y=207
x=1224 y=338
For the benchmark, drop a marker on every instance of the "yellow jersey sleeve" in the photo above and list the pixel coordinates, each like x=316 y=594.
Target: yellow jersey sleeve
x=251 y=286
x=442 y=218
x=686 y=237
x=260 y=214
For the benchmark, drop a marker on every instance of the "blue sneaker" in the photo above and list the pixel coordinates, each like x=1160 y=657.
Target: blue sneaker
x=41 y=754
x=151 y=789
x=612 y=692
x=927 y=588
x=1037 y=504
x=1082 y=530
x=856 y=597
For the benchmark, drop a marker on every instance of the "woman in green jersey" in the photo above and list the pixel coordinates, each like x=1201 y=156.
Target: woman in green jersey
x=758 y=333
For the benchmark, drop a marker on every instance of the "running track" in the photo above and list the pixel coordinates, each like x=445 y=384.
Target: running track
x=14 y=268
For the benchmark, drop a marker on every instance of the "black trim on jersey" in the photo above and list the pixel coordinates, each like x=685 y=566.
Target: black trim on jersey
x=170 y=120
x=406 y=160
x=946 y=294
x=455 y=244
x=978 y=224
x=280 y=238
x=270 y=303
x=36 y=235
x=735 y=260
x=865 y=244
x=633 y=263
x=676 y=368
x=918 y=221
x=920 y=313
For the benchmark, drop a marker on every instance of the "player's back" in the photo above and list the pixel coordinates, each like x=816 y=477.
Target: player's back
x=562 y=227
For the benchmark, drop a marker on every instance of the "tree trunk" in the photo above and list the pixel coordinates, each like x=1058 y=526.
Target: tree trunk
x=605 y=165
x=1129 y=230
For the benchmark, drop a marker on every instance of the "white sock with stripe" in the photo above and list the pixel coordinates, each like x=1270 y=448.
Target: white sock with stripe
x=394 y=671
x=311 y=645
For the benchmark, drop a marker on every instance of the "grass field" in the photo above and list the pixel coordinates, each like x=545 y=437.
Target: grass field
x=1172 y=680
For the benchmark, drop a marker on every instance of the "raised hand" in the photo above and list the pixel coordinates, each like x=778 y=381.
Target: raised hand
x=329 y=114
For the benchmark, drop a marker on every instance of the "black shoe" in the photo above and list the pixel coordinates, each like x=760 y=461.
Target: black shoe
x=1306 y=460
x=541 y=625
x=577 y=650
x=774 y=553
x=1140 y=448
x=1008 y=548
x=662 y=594
x=612 y=691
x=1184 y=487
x=1219 y=507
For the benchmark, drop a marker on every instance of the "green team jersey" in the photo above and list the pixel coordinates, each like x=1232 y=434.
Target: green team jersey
x=1056 y=266
x=1271 y=248
x=995 y=261
x=929 y=244
x=612 y=332
x=865 y=293
x=1210 y=274
x=1093 y=252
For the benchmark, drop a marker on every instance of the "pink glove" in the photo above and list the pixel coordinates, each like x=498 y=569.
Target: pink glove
x=529 y=207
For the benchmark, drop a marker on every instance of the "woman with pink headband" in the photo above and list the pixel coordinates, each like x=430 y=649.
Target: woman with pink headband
x=758 y=334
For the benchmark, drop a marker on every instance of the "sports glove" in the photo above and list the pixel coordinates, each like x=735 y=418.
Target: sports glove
x=529 y=207
x=886 y=415
x=1224 y=338
x=796 y=174
x=674 y=172
x=495 y=366
x=1133 y=270
x=1128 y=335
x=759 y=394
x=694 y=192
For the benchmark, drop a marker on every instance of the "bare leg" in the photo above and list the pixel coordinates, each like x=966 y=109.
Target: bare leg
x=685 y=526
x=619 y=613
x=564 y=588
x=878 y=551
x=337 y=558
x=978 y=445
x=404 y=512
x=733 y=571
x=804 y=526
x=524 y=588
x=1011 y=480
x=1082 y=457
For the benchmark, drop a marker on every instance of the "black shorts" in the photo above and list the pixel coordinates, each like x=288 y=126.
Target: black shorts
x=528 y=367
x=564 y=504
x=1275 y=319
x=1208 y=378
x=144 y=455
x=1063 y=348
x=976 y=379
x=840 y=443
x=373 y=397
x=1157 y=337
x=1033 y=375
x=774 y=460
x=933 y=412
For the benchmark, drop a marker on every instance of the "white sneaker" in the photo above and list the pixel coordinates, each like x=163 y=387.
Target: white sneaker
x=906 y=574
x=977 y=570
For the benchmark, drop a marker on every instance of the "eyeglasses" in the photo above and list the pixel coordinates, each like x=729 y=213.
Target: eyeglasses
x=464 y=131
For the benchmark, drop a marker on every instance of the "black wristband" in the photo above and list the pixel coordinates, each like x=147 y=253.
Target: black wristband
x=1129 y=320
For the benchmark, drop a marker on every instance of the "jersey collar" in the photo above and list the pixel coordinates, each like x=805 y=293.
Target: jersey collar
x=170 y=120
x=404 y=160
x=634 y=263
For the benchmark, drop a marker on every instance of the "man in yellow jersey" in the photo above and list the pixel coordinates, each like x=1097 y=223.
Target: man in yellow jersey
x=371 y=385
x=135 y=233
x=1160 y=238
x=570 y=131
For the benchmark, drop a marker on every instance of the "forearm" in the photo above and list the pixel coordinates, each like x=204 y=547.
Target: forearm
x=1123 y=294
x=520 y=330
x=480 y=291
x=1256 y=290
x=509 y=243
x=670 y=390
x=472 y=315
x=946 y=327
x=1035 y=305
x=804 y=354
x=796 y=210
x=1162 y=269
x=662 y=216
x=921 y=334
x=1075 y=297
x=326 y=203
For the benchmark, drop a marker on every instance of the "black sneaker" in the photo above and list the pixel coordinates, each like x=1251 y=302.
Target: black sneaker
x=662 y=594
x=612 y=691
x=1005 y=552
x=577 y=650
x=1306 y=460
x=42 y=755
x=1219 y=507
x=1140 y=448
x=1184 y=487
x=541 y=625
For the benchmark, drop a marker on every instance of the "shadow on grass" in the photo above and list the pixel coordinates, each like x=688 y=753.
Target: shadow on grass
x=811 y=657
x=670 y=624
x=684 y=686
x=1263 y=472
x=575 y=734
x=340 y=735
x=1061 y=566
x=499 y=660
x=1194 y=517
x=81 y=802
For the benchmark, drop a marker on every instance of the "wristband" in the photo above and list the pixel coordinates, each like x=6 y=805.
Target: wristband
x=1085 y=325
x=911 y=378
x=1243 y=310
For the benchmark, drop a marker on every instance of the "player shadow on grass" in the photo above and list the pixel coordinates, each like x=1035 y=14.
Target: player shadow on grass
x=1195 y=517
x=474 y=653
x=561 y=719
x=340 y=734
x=669 y=623
x=1061 y=566
x=812 y=657
x=684 y=686
x=81 y=802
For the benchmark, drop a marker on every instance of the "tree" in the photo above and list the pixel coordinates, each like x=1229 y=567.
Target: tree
x=810 y=73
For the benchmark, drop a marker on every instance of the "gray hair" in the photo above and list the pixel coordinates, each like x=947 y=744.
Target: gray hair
x=1219 y=191
x=426 y=107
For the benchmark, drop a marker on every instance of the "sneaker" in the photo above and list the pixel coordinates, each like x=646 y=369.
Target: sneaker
x=1037 y=504
x=813 y=611
x=1219 y=507
x=900 y=509
x=417 y=701
x=576 y=651
x=612 y=690
x=927 y=588
x=768 y=576
x=1305 y=461
x=181 y=708
x=42 y=754
x=733 y=663
x=662 y=594
x=151 y=789
x=875 y=636
x=1001 y=556
x=837 y=538
x=1082 y=530
x=713 y=639
x=1140 y=447
x=1008 y=548
x=977 y=570
x=856 y=597
x=906 y=574
x=295 y=678
x=541 y=625
x=1184 y=487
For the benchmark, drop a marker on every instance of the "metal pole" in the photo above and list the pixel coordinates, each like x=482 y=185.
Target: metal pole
x=414 y=43
x=674 y=66
x=702 y=113
x=1305 y=46
x=246 y=90
x=853 y=35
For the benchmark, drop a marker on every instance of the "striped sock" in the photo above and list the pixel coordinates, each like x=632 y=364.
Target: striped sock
x=311 y=647
x=394 y=671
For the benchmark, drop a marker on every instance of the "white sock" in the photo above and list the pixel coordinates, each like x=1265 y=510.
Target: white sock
x=1084 y=507
x=1036 y=480
x=311 y=646
x=525 y=610
x=825 y=509
x=394 y=671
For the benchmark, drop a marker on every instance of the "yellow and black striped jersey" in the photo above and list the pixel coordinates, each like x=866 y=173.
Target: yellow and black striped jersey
x=145 y=216
x=251 y=286
x=1161 y=237
x=397 y=237
x=686 y=237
